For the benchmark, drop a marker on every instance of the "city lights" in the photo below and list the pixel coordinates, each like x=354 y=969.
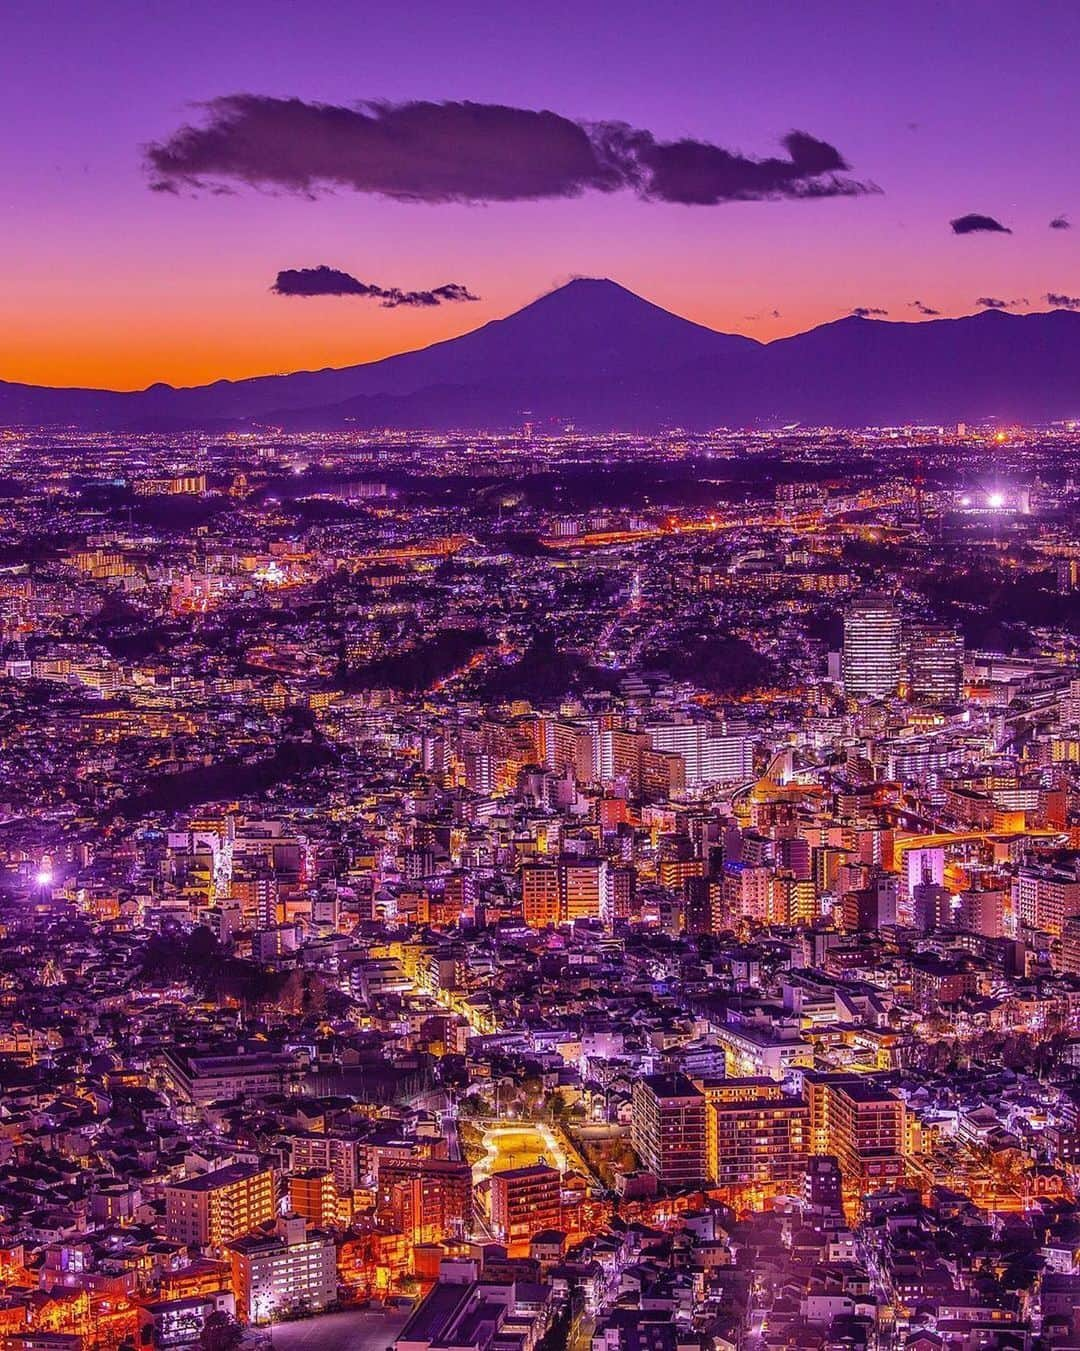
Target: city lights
x=675 y=852
x=540 y=811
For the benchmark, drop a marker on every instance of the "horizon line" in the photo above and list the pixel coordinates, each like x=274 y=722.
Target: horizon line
x=884 y=319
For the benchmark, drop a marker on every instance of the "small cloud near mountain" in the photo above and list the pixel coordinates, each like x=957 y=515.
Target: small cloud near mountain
x=994 y=303
x=329 y=281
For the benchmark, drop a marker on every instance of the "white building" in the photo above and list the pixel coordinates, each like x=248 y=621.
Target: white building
x=291 y=1268
x=873 y=648
x=709 y=755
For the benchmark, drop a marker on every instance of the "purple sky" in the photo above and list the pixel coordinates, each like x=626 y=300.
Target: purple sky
x=949 y=108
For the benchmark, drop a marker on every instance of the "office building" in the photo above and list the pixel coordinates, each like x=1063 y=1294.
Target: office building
x=873 y=648
x=935 y=663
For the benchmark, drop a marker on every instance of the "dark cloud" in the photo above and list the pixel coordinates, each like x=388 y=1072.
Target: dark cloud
x=867 y=312
x=973 y=223
x=1061 y=223
x=993 y=303
x=928 y=310
x=1062 y=302
x=320 y=281
x=473 y=152
x=328 y=281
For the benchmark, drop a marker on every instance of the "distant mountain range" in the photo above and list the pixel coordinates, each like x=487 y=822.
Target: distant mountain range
x=597 y=355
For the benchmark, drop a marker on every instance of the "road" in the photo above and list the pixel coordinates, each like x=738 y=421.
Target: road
x=354 y=1330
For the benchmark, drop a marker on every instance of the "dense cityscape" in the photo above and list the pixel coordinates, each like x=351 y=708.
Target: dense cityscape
x=540 y=891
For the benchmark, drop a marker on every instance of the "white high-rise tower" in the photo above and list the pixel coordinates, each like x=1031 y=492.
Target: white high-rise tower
x=873 y=648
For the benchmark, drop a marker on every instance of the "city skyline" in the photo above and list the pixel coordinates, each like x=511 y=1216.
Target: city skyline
x=468 y=887
x=540 y=677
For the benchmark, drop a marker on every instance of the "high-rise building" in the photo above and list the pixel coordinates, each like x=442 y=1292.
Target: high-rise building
x=669 y=1128
x=709 y=755
x=620 y=755
x=584 y=888
x=540 y=894
x=931 y=906
x=314 y=1195
x=326 y=1151
x=981 y=911
x=212 y=1209
x=866 y=1133
x=935 y=663
x=524 y=1202
x=1044 y=896
x=431 y=1199
x=572 y=746
x=662 y=775
x=479 y=772
x=872 y=648
x=760 y=1142
x=922 y=865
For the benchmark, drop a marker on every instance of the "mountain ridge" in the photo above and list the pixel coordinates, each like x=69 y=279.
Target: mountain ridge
x=594 y=353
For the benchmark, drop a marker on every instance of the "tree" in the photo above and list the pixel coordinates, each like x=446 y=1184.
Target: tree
x=220 y=1332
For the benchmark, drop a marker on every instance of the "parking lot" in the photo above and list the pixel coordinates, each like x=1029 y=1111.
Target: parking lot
x=354 y=1330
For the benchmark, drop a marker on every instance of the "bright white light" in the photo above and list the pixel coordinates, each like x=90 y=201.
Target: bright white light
x=44 y=877
x=996 y=500
x=965 y=501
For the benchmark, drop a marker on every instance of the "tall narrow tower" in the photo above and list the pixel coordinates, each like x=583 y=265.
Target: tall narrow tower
x=872 y=648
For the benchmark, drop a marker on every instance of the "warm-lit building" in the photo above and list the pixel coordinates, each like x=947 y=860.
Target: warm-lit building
x=314 y=1195
x=540 y=894
x=763 y=1141
x=669 y=1128
x=212 y=1209
x=866 y=1134
x=430 y=1199
x=525 y=1201
x=584 y=888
